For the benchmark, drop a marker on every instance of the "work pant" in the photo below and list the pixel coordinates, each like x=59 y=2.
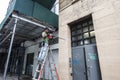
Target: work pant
x=43 y=52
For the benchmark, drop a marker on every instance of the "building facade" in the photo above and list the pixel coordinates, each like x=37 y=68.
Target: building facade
x=85 y=24
x=25 y=41
x=32 y=50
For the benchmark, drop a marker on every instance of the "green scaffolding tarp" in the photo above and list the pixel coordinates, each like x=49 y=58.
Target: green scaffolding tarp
x=33 y=9
x=46 y=3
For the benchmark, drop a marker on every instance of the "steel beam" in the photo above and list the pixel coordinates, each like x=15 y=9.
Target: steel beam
x=30 y=21
x=10 y=48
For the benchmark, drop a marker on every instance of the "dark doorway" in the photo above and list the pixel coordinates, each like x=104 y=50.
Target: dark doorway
x=3 y=57
x=16 y=61
x=29 y=64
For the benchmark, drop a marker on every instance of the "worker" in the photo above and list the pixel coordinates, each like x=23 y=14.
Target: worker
x=46 y=36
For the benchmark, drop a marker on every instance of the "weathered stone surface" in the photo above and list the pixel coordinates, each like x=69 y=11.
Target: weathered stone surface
x=106 y=20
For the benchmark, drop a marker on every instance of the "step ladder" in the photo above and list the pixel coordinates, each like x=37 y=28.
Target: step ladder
x=52 y=66
x=40 y=66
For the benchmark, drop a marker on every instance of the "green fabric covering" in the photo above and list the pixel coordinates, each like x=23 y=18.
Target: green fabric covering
x=46 y=3
x=25 y=6
x=44 y=14
x=32 y=9
x=36 y=10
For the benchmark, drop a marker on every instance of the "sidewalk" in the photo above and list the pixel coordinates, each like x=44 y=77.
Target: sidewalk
x=15 y=77
x=8 y=77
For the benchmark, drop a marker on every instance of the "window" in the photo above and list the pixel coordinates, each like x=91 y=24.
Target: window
x=82 y=33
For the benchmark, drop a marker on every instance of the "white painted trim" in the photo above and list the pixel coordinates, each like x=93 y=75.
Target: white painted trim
x=30 y=21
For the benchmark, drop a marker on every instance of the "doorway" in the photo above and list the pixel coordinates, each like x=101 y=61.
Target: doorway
x=85 y=62
x=29 y=64
x=3 y=57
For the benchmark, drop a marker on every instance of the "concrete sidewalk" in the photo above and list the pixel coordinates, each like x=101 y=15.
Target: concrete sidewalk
x=9 y=77
x=15 y=77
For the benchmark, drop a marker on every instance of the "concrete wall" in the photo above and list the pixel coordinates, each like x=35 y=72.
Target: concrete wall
x=32 y=49
x=107 y=28
x=35 y=49
x=106 y=20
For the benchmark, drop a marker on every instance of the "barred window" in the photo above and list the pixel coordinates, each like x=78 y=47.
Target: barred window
x=82 y=33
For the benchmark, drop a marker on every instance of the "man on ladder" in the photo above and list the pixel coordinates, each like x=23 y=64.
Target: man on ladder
x=46 y=36
x=43 y=55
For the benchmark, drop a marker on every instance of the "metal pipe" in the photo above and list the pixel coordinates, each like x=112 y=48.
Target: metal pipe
x=5 y=38
x=29 y=21
x=10 y=48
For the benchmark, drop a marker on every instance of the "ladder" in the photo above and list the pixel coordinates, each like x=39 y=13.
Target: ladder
x=52 y=65
x=40 y=66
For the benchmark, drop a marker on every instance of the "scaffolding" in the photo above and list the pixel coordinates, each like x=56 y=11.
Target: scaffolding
x=15 y=27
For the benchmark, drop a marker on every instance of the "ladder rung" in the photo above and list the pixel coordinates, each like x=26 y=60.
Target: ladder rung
x=39 y=63
x=52 y=70
x=51 y=63
x=34 y=79
x=54 y=76
x=42 y=64
x=37 y=71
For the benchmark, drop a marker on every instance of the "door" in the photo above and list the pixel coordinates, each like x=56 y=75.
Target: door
x=92 y=62
x=78 y=60
x=3 y=57
x=85 y=63
x=29 y=64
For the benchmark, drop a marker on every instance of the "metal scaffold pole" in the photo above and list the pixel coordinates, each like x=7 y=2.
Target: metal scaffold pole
x=5 y=38
x=10 y=48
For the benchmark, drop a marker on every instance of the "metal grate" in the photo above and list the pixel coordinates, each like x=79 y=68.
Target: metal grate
x=82 y=32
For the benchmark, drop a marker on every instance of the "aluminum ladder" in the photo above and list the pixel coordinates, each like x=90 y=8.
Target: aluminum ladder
x=52 y=66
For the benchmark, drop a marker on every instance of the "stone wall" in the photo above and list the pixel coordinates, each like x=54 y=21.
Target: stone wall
x=106 y=20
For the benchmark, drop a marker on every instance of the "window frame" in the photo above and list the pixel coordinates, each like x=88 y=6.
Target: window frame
x=74 y=27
